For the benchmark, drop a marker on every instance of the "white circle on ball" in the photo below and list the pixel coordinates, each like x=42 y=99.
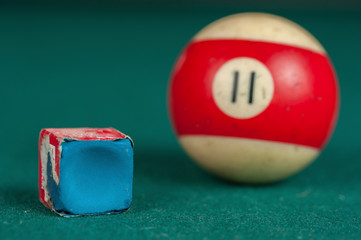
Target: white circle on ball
x=243 y=88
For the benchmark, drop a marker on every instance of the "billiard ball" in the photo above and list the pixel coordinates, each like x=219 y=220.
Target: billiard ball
x=253 y=98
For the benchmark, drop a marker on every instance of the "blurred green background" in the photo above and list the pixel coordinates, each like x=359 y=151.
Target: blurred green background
x=107 y=63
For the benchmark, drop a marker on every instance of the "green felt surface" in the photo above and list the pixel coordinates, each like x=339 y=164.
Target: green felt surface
x=106 y=64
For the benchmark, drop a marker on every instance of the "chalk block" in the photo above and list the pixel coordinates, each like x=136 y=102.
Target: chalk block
x=84 y=171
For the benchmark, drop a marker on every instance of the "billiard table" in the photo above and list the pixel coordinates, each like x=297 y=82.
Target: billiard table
x=107 y=64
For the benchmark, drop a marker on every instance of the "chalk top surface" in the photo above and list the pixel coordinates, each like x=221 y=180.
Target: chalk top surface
x=84 y=134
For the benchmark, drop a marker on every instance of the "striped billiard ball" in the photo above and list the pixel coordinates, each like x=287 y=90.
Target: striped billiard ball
x=253 y=98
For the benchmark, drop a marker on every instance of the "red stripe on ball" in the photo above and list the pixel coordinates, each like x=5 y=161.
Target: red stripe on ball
x=303 y=109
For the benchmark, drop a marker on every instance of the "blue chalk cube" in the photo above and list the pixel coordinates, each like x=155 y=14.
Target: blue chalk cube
x=94 y=176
